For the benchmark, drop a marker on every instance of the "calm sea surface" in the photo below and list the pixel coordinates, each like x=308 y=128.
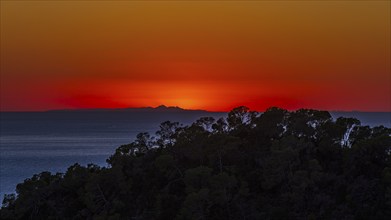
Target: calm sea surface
x=52 y=141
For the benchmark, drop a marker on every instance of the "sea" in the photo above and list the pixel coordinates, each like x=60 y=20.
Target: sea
x=32 y=142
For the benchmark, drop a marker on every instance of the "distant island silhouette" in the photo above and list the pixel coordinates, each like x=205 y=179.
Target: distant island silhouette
x=160 y=108
x=165 y=108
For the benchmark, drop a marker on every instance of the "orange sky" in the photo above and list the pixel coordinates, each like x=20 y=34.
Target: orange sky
x=214 y=55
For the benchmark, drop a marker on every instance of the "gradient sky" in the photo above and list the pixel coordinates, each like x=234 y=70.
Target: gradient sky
x=214 y=55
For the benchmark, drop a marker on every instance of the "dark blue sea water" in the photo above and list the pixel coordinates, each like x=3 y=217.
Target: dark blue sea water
x=52 y=141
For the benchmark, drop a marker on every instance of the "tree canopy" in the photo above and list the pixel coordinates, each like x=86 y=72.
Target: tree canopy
x=275 y=165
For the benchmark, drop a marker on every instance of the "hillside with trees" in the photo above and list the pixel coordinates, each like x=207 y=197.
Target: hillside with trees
x=275 y=165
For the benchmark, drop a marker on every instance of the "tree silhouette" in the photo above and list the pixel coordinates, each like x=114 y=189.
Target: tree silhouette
x=276 y=165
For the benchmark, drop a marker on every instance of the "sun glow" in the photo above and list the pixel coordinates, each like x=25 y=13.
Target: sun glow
x=211 y=55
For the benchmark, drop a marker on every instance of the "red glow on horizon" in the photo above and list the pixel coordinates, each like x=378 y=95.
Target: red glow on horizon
x=195 y=55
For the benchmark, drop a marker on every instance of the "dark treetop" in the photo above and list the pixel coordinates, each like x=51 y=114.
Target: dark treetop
x=275 y=165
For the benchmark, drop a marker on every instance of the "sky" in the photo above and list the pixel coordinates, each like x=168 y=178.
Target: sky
x=213 y=55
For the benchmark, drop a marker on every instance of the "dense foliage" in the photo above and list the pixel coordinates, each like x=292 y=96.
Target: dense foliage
x=275 y=165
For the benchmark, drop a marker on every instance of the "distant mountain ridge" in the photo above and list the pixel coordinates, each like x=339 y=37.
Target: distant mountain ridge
x=160 y=108
x=164 y=108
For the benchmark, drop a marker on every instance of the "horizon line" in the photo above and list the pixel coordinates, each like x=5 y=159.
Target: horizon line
x=172 y=107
